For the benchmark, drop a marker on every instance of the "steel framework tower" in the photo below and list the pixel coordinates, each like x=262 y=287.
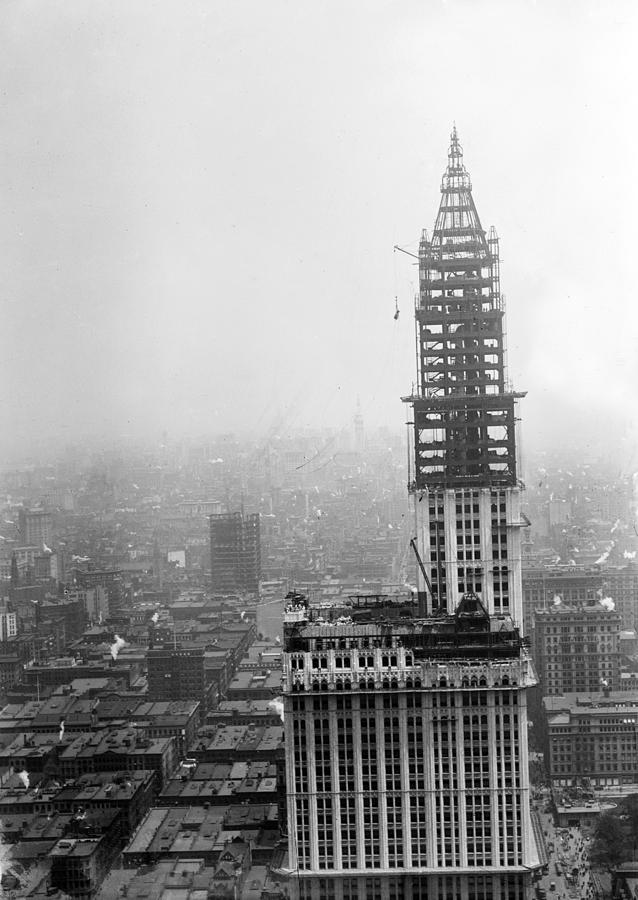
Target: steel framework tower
x=464 y=479
x=406 y=723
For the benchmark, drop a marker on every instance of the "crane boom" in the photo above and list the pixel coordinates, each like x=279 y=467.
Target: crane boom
x=421 y=566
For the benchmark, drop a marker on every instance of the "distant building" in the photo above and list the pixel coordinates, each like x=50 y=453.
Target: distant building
x=235 y=552
x=94 y=600
x=109 y=579
x=576 y=648
x=10 y=671
x=195 y=509
x=621 y=584
x=8 y=623
x=593 y=736
x=35 y=527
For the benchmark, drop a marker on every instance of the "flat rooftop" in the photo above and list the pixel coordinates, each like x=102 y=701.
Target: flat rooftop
x=242 y=738
x=621 y=702
x=175 y=828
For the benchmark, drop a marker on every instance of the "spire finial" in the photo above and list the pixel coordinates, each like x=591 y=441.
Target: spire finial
x=455 y=153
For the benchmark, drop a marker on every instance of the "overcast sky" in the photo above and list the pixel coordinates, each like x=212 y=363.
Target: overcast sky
x=199 y=202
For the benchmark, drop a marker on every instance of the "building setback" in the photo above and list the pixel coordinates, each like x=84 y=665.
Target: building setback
x=406 y=723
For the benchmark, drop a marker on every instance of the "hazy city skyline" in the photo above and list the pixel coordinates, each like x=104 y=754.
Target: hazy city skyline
x=200 y=203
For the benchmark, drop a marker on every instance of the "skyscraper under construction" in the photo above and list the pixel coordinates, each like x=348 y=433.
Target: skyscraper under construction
x=235 y=552
x=406 y=722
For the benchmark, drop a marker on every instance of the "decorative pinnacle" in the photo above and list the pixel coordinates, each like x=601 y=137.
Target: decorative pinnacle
x=456 y=176
x=455 y=153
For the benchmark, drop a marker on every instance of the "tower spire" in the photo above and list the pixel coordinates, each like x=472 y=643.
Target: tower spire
x=464 y=419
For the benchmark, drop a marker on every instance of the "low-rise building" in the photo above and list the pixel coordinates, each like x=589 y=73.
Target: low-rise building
x=79 y=865
x=219 y=784
x=64 y=670
x=162 y=718
x=239 y=742
x=199 y=832
x=240 y=712
x=119 y=750
x=261 y=684
x=193 y=879
x=126 y=795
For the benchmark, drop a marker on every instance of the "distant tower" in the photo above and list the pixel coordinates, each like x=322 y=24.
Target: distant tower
x=406 y=723
x=359 y=437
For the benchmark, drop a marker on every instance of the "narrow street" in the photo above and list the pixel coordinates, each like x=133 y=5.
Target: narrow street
x=568 y=875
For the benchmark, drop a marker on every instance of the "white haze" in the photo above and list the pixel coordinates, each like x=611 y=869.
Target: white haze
x=200 y=202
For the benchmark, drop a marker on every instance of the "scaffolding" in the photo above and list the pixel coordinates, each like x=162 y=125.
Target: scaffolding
x=464 y=414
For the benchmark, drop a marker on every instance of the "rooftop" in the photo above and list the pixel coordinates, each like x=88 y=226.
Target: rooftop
x=75 y=847
x=243 y=738
x=602 y=703
x=196 y=825
x=380 y=621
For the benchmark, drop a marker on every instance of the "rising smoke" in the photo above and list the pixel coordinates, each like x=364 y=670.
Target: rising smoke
x=605 y=556
x=116 y=646
x=278 y=705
